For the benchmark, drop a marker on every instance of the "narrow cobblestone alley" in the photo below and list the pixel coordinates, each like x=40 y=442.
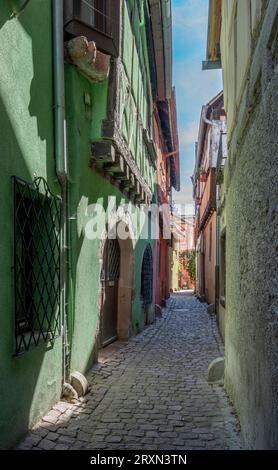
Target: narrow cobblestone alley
x=151 y=393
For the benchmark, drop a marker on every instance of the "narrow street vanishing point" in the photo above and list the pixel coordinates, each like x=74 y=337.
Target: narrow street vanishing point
x=151 y=393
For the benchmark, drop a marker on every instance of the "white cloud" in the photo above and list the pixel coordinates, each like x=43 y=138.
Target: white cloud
x=195 y=87
x=189 y=134
x=190 y=18
x=184 y=196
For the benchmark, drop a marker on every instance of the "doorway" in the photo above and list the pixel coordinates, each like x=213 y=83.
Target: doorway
x=110 y=275
x=147 y=282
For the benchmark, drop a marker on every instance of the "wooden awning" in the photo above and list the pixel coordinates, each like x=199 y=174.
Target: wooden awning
x=213 y=59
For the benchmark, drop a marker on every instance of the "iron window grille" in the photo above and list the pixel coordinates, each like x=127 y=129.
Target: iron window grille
x=147 y=277
x=111 y=261
x=98 y=20
x=223 y=268
x=37 y=229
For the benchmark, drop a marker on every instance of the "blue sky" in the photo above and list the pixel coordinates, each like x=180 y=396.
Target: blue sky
x=194 y=87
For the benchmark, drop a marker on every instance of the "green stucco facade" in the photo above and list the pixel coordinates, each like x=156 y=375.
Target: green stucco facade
x=31 y=383
x=86 y=110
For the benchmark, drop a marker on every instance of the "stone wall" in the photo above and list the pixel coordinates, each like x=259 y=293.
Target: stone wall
x=251 y=175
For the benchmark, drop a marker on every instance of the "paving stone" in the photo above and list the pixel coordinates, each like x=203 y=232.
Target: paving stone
x=66 y=440
x=61 y=447
x=101 y=431
x=45 y=444
x=40 y=432
x=111 y=439
x=52 y=436
x=152 y=434
x=61 y=406
x=33 y=440
x=84 y=436
x=66 y=432
x=147 y=427
x=178 y=442
x=136 y=433
x=24 y=446
x=52 y=417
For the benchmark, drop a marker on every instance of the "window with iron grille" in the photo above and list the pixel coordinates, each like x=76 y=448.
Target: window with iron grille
x=223 y=268
x=111 y=261
x=98 y=20
x=210 y=241
x=147 y=277
x=94 y=12
x=37 y=224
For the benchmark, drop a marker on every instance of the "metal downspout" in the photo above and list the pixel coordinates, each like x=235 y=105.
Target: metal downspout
x=61 y=162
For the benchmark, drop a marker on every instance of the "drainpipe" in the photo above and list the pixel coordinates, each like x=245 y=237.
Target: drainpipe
x=204 y=117
x=59 y=91
x=61 y=163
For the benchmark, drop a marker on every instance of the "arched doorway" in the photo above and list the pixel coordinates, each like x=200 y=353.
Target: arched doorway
x=117 y=264
x=147 y=282
x=110 y=275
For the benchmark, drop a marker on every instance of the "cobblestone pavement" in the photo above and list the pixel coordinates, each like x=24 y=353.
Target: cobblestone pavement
x=151 y=393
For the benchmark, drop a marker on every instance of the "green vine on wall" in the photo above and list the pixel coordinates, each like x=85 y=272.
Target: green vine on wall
x=188 y=260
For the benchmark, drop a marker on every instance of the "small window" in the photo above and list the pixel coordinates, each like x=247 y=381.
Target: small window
x=37 y=215
x=98 y=20
x=147 y=277
x=94 y=12
x=223 y=269
x=210 y=241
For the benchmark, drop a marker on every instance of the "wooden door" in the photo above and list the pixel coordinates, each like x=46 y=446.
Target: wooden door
x=110 y=281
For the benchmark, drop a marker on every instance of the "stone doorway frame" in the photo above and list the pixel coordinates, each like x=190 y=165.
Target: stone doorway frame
x=125 y=282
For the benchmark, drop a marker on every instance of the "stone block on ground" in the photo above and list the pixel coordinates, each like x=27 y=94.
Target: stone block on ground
x=211 y=309
x=79 y=383
x=216 y=370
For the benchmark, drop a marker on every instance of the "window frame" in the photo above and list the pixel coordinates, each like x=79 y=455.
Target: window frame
x=222 y=273
x=36 y=264
x=75 y=25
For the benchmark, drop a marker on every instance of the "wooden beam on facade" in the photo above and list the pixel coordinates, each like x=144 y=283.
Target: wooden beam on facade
x=103 y=152
x=117 y=167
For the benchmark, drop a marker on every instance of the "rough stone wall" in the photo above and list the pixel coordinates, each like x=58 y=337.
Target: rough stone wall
x=251 y=176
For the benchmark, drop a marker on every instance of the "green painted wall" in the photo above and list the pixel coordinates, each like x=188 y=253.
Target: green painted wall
x=86 y=105
x=31 y=383
x=86 y=188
